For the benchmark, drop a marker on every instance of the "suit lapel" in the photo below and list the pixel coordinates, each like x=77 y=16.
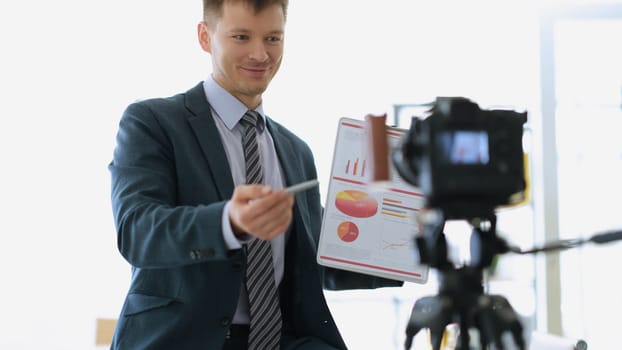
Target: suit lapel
x=206 y=132
x=292 y=168
x=286 y=155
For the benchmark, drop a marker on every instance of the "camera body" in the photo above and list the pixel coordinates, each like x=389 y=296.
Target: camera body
x=465 y=160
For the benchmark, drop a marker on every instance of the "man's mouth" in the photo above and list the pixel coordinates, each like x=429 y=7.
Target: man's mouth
x=255 y=71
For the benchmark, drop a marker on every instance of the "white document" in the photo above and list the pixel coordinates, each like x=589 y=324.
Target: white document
x=369 y=229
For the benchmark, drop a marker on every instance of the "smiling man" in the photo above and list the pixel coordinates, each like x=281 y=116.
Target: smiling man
x=246 y=46
x=222 y=257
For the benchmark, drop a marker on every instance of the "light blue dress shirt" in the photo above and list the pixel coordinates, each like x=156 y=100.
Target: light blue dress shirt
x=227 y=112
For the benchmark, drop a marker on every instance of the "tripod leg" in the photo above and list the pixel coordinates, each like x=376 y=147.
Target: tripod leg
x=465 y=338
x=517 y=333
x=433 y=313
x=411 y=331
x=496 y=316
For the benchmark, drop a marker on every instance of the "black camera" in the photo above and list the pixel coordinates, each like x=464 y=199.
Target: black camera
x=467 y=161
x=464 y=159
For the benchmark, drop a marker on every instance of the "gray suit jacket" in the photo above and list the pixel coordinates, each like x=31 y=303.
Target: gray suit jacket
x=170 y=182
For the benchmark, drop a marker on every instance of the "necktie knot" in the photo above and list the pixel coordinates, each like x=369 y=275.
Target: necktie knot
x=250 y=119
x=254 y=172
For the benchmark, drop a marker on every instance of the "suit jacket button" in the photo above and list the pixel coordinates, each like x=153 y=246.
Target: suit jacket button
x=225 y=321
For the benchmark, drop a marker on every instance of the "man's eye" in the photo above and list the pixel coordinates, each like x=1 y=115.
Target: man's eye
x=274 y=38
x=240 y=37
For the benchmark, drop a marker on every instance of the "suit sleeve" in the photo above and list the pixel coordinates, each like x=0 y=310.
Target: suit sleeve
x=153 y=229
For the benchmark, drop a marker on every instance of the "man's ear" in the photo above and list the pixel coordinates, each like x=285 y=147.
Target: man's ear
x=204 y=36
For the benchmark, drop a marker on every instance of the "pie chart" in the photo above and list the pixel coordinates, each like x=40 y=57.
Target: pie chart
x=347 y=231
x=355 y=203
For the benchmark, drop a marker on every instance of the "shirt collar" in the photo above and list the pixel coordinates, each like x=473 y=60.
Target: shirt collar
x=228 y=108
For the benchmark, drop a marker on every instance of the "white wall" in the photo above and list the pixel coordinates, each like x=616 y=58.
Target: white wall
x=68 y=68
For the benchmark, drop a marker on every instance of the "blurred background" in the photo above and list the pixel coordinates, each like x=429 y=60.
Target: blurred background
x=68 y=69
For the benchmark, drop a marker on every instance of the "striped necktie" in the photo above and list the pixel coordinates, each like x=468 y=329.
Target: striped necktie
x=265 y=312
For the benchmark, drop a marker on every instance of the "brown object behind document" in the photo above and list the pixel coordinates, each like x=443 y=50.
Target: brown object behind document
x=378 y=147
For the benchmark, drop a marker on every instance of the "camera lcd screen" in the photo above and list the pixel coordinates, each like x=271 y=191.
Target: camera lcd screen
x=468 y=147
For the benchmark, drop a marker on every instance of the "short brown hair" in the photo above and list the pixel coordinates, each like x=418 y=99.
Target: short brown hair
x=212 y=9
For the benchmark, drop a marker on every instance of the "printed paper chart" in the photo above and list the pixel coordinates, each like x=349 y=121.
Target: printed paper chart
x=366 y=229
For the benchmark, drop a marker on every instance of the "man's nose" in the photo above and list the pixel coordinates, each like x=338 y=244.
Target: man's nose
x=259 y=52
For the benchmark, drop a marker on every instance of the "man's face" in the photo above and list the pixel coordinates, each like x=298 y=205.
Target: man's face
x=246 y=48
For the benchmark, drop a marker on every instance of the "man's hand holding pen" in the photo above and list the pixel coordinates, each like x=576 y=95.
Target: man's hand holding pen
x=260 y=211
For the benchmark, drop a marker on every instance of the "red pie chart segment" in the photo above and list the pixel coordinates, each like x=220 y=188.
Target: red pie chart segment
x=355 y=203
x=348 y=231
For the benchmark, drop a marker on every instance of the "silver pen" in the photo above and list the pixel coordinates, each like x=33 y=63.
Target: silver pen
x=303 y=186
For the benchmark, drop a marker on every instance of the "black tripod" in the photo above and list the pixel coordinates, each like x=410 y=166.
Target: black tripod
x=461 y=298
